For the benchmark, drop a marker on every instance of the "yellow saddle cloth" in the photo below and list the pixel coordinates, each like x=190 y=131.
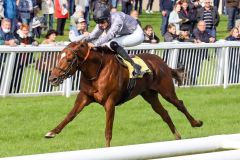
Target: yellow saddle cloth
x=139 y=61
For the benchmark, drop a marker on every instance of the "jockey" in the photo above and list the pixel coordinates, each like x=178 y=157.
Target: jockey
x=116 y=30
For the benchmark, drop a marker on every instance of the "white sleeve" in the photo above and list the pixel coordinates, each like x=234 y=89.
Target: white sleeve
x=173 y=18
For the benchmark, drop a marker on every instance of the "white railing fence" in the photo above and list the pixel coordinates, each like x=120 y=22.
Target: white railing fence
x=25 y=70
x=172 y=149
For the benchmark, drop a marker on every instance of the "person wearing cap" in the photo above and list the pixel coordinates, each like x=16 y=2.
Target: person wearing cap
x=50 y=37
x=79 y=32
x=120 y=30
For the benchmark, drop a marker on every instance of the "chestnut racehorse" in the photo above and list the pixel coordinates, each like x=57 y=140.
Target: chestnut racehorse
x=104 y=80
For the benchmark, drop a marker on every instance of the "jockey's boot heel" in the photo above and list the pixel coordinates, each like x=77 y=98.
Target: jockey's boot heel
x=137 y=70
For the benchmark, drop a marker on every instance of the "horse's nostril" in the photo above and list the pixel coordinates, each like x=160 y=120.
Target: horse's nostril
x=52 y=79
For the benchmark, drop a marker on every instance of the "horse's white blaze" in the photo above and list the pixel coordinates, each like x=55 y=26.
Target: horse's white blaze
x=63 y=55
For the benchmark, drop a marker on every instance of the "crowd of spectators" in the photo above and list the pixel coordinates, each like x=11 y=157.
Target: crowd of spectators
x=198 y=19
x=187 y=14
x=184 y=14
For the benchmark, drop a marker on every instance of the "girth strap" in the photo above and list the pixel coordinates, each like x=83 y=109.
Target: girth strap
x=128 y=91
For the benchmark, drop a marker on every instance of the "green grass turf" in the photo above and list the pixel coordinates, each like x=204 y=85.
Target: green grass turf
x=152 y=19
x=24 y=121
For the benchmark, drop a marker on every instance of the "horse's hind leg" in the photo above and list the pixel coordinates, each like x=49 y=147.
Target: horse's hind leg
x=81 y=101
x=180 y=106
x=168 y=92
x=152 y=98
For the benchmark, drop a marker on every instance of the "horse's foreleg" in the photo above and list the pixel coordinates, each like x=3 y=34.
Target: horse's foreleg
x=81 y=101
x=110 y=112
x=152 y=98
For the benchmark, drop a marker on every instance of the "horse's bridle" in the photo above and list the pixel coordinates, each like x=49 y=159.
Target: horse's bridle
x=72 y=62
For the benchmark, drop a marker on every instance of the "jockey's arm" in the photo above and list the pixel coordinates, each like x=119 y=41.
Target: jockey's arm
x=94 y=34
x=111 y=33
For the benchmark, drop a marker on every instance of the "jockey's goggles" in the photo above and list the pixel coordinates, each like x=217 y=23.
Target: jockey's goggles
x=101 y=21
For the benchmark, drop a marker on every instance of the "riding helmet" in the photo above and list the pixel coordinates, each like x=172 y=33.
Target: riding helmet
x=103 y=13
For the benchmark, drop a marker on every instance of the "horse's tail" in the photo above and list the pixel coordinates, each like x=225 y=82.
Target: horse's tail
x=179 y=75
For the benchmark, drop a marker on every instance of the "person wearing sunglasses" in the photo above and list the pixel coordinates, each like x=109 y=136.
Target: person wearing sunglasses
x=116 y=30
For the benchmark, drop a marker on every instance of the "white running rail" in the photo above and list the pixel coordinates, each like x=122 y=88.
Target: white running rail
x=153 y=150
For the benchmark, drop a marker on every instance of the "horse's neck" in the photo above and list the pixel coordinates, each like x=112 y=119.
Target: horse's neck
x=95 y=63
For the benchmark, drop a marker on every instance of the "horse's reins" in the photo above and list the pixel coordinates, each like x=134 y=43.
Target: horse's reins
x=76 y=58
x=86 y=57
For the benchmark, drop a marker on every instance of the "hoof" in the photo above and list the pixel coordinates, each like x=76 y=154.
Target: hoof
x=197 y=123
x=50 y=135
x=178 y=137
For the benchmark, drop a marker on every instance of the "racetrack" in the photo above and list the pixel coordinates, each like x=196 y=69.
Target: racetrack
x=24 y=121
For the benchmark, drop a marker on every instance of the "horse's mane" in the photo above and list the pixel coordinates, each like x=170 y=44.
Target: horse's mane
x=104 y=49
x=98 y=49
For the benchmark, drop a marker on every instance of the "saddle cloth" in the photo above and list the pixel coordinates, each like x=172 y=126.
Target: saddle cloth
x=139 y=61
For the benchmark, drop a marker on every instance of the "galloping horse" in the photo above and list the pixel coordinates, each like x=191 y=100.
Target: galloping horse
x=104 y=80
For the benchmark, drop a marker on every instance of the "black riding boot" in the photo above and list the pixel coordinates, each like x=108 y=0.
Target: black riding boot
x=120 y=50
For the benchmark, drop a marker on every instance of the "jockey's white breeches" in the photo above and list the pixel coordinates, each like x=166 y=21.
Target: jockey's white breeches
x=130 y=40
